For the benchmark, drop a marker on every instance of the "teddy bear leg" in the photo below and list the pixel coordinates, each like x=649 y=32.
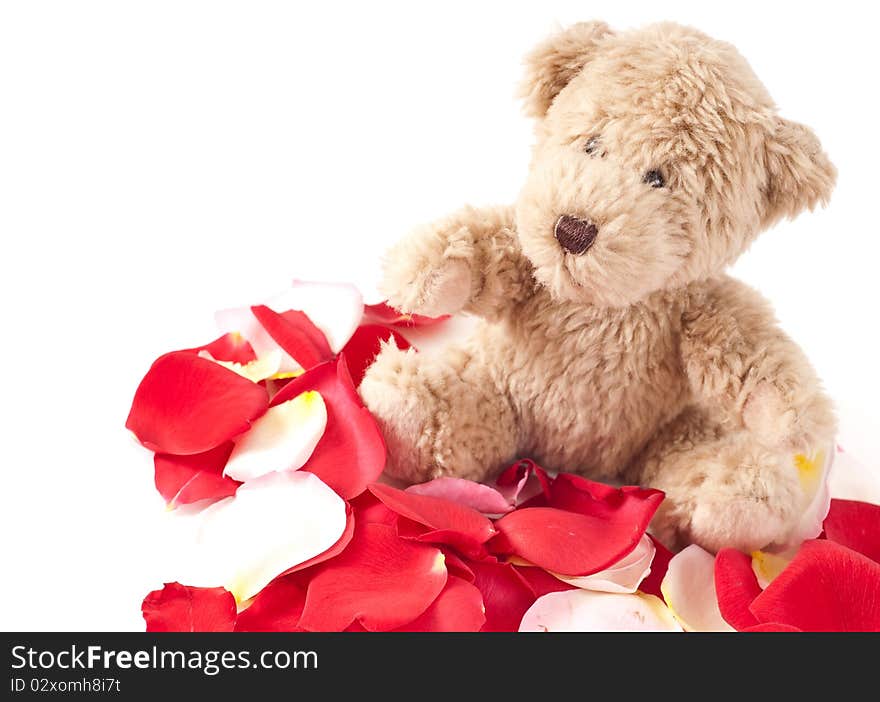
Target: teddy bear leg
x=722 y=488
x=441 y=415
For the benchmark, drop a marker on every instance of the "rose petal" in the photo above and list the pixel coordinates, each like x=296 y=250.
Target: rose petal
x=241 y=321
x=813 y=473
x=458 y=607
x=380 y=581
x=767 y=566
x=522 y=482
x=334 y=308
x=539 y=579
x=294 y=334
x=506 y=594
x=624 y=576
x=186 y=405
x=273 y=523
x=446 y=522
x=467 y=493
x=583 y=610
x=183 y=480
x=282 y=439
x=826 y=587
x=383 y=313
x=369 y=509
x=855 y=525
x=629 y=506
x=351 y=453
x=689 y=591
x=659 y=565
x=365 y=344
x=303 y=324
x=179 y=607
x=229 y=348
x=736 y=587
x=337 y=548
x=268 y=366
x=565 y=542
x=278 y=607
x=455 y=565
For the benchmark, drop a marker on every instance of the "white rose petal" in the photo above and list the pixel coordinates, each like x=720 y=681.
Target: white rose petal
x=266 y=366
x=767 y=566
x=282 y=439
x=335 y=308
x=813 y=471
x=689 y=591
x=624 y=576
x=271 y=524
x=583 y=610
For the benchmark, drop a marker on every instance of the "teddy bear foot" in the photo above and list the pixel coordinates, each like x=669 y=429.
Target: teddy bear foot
x=722 y=490
x=440 y=416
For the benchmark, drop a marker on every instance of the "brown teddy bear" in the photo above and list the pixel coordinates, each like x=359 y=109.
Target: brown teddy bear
x=611 y=343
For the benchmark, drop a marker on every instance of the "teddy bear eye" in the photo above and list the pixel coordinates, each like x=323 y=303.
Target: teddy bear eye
x=592 y=145
x=654 y=178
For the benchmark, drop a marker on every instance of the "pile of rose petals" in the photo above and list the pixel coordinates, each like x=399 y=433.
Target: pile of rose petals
x=261 y=439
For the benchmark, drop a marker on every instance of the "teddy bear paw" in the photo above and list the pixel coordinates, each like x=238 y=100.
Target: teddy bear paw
x=781 y=423
x=427 y=289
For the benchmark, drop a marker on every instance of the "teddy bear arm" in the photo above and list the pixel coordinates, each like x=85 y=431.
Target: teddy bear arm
x=469 y=261
x=745 y=369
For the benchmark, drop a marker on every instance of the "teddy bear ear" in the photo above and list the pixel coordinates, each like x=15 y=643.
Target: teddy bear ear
x=558 y=59
x=799 y=174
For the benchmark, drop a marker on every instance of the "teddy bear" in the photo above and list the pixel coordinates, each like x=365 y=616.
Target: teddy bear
x=610 y=342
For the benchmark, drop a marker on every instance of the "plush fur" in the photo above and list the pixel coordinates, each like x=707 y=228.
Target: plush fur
x=638 y=360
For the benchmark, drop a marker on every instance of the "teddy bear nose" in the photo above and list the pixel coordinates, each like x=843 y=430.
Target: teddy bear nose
x=575 y=235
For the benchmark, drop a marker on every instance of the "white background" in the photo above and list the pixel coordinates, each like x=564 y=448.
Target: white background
x=159 y=160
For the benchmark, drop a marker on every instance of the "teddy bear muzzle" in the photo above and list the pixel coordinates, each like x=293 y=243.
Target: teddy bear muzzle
x=575 y=235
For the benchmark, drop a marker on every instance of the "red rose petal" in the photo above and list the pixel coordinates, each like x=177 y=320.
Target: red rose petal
x=631 y=505
x=295 y=334
x=229 y=347
x=369 y=509
x=300 y=320
x=382 y=313
x=182 y=480
x=855 y=525
x=454 y=563
x=465 y=544
x=179 y=607
x=447 y=522
x=351 y=453
x=380 y=581
x=736 y=587
x=541 y=582
x=588 y=526
x=771 y=626
x=506 y=594
x=659 y=565
x=365 y=344
x=278 y=607
x=566 y=542
x=525 y=483
x=186 y=404
x=459 y=607
x=483 y=498
x=826 y=587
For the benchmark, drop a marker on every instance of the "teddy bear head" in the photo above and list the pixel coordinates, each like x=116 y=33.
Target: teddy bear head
x=659 y=157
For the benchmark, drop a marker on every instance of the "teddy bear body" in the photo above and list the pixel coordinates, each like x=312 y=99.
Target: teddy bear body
x=611 y=343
